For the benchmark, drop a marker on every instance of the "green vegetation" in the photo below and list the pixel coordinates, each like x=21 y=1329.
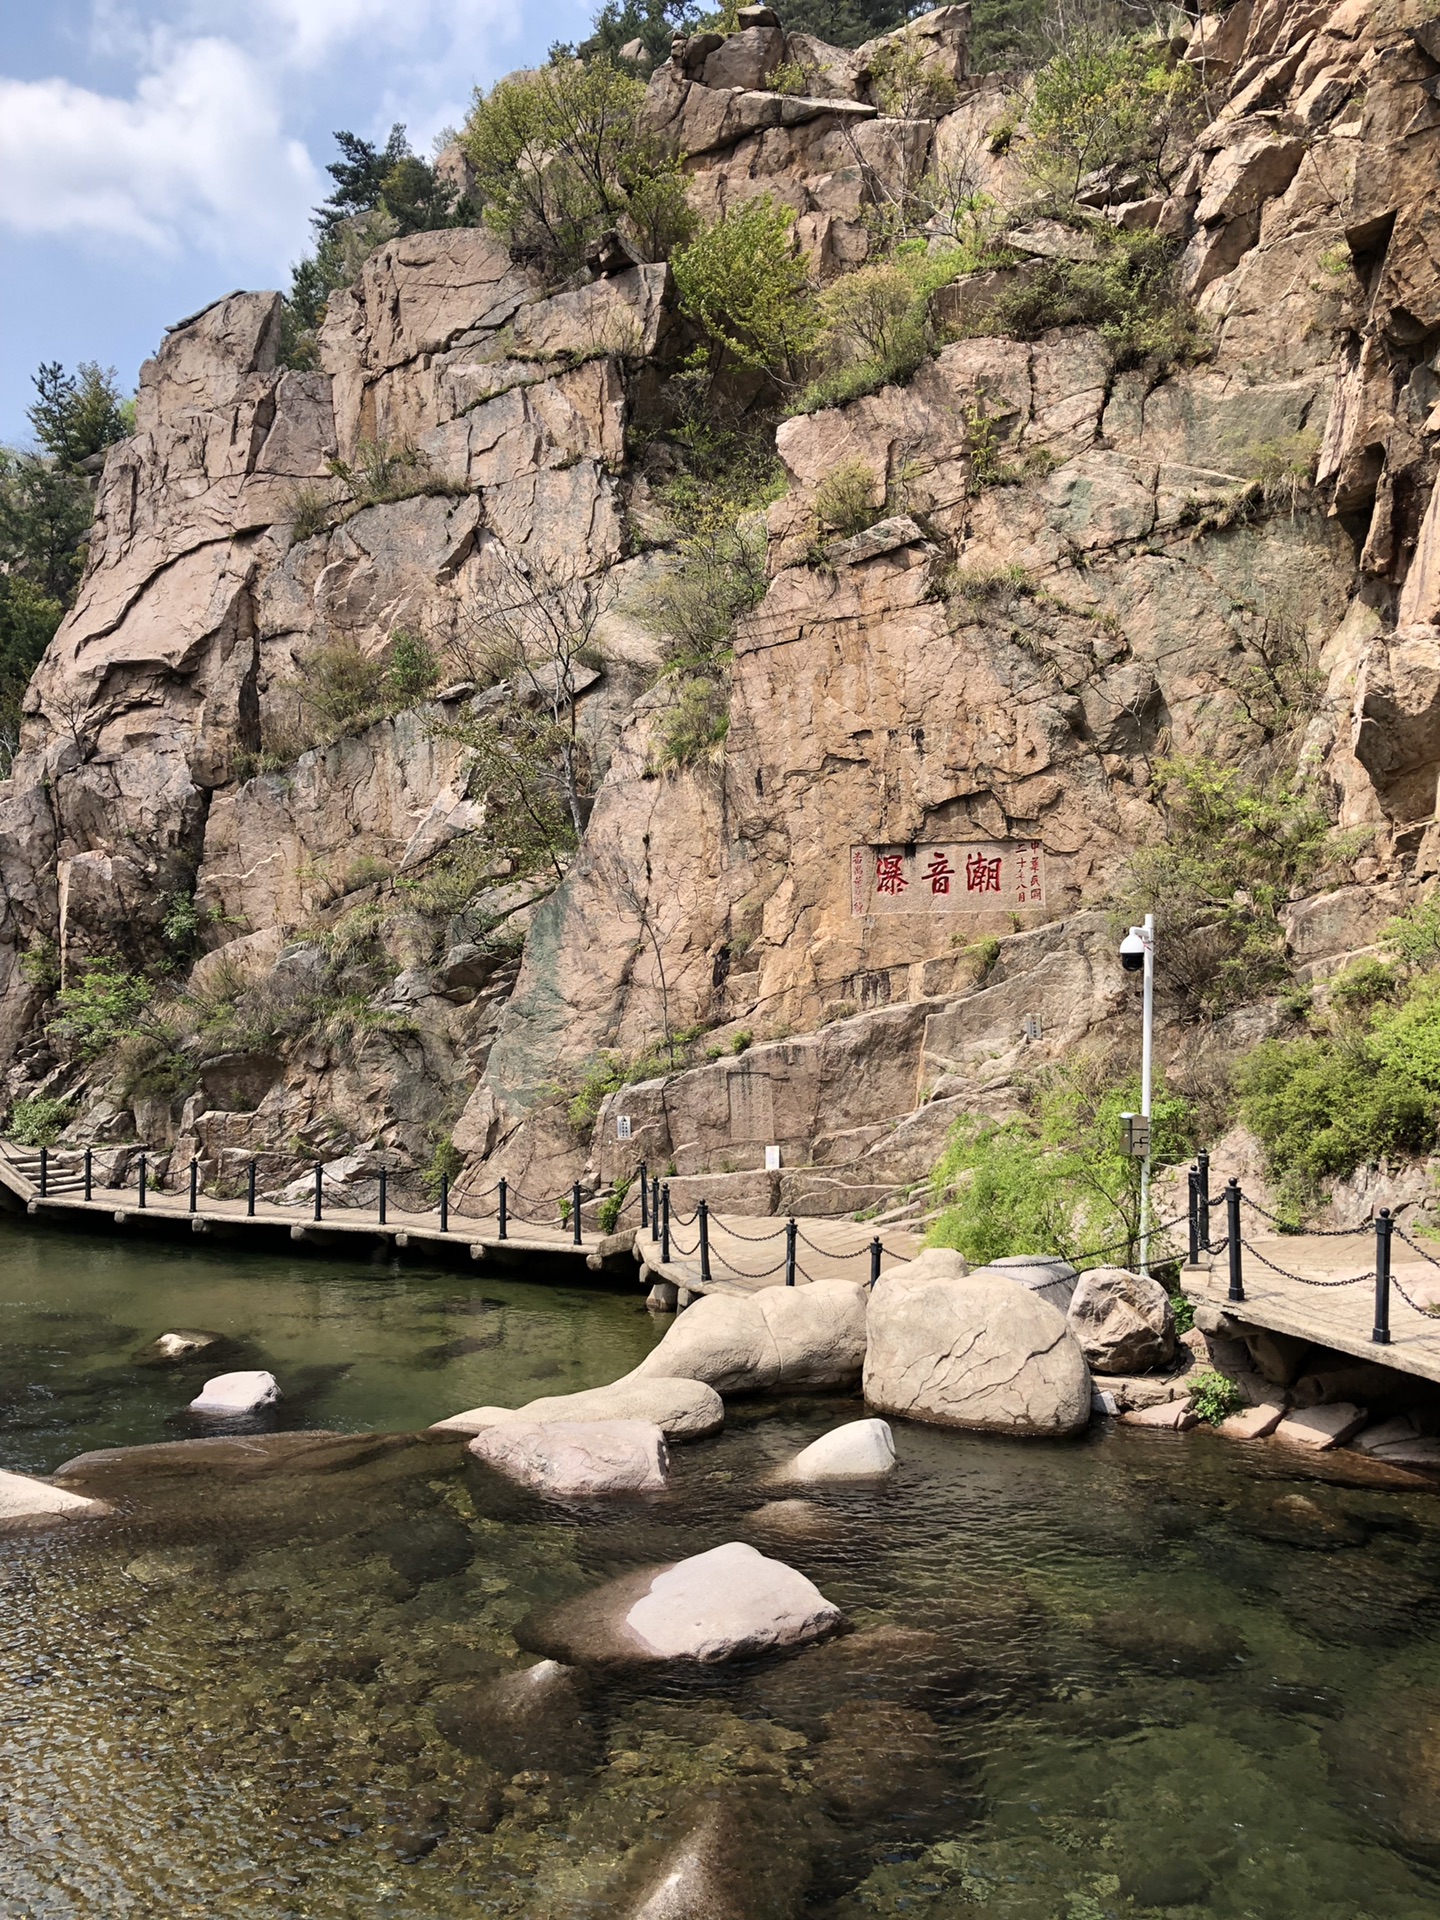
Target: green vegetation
x=1127 y=293
x=1054 y=1179
x=339 y=690
x=446 y=1163
x=46 y=506
x=1237 y=848
x=849 y=499
x=1104 y=99
x=717 y=577
x=1183 y=1309
x=745 y=287
x=559 y=160
x=875 y=327
x=1365 y=1085
x=1213 y=1397
x=39 y=1122
x=906 y=85
x=611 y=1207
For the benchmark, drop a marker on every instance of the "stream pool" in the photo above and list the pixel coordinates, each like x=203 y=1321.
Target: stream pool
x=1139 y=1675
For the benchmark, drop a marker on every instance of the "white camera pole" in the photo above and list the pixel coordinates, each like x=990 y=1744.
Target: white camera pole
x=1147 y=933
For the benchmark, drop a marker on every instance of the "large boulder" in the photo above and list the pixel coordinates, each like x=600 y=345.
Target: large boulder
x=248 y=1392
x=682 y=1409
x=1044 y=1273
x=576 y=1456
x=25 y=1502
x=860 y=1450
x=715 y=1606
x=811 y=1336
x=1122 y=1320
x=984 y=1352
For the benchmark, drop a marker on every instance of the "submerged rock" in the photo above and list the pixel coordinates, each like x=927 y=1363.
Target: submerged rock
x=1123 y=1320
x=25 y=1501
x=682 y=1409
x=811 y=1336
x=879 y=1758
x=183 y=1343
x=715 y=1606
x=983 y=1352
x=576 y=1456
x=532 y=1720
x=860 y=1450
x=1170 y=1642
x=902 y=1666
x=237 y=1393
x=743 y=1856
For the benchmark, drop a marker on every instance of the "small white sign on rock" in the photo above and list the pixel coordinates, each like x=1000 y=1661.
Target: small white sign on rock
x=237 y=1393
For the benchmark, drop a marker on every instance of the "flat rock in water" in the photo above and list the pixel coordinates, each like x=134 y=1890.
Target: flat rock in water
x=983 y=1352
x=1320 y=1428
x=1123 y=1320
x=26 y=1501
x=233 y=1456
x=715 y=1606
x=860 y=1450
x=796 y=1520
x=576 y=1456
x=743 y=1856
x=1169 y=1416
x=531 y=1720
x=682 y=1409
x=1254 y=1423
x=237 y=1393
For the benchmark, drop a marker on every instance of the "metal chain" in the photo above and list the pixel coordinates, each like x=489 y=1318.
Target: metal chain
x=1316 y=1233
x=1414 y=1305
x=1414 y=1247
x=1353 y=1281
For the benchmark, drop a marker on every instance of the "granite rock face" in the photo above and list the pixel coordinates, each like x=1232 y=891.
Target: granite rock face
x=1123 y=1321
x=982 y=1352
x=1071 y=569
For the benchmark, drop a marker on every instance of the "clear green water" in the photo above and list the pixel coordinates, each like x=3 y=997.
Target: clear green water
x=1164 y=1675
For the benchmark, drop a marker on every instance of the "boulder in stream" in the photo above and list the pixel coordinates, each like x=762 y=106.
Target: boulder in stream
x=576 y=1456
x=531 y=1720
x=811 y=1337
x=984 y=1352
x=743 y=1854
x=860 y=1450
x=248 y=1392
x=682 y=1409
x=713 y=1607
x=173 y=1349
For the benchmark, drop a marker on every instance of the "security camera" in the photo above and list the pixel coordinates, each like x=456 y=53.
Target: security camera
x=1132 y=951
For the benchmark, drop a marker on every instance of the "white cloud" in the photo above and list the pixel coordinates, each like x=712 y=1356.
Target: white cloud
x=195 y=156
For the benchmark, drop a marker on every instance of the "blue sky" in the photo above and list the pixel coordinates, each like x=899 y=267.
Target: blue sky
x=156 y=153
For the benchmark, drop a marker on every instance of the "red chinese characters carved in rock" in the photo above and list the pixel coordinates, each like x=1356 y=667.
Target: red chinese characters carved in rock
x=982 y=875
x=938 y=872
x=964 y=877
x=890 y=873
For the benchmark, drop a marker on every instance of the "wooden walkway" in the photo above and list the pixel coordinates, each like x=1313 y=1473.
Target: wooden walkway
x=1291 y=1286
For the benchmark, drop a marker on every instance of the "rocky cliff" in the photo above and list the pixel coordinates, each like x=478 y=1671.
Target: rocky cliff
x=1070 y=570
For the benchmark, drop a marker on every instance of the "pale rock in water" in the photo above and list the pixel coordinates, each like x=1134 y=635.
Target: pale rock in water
x=576 y=1456
x=26 y=1501
x=183 y=1343
x=237 y=1393
x=715 y=1606
x=682 y=1409
x=860 y=1450
x=1123 y=1320
x=982 y=1352
x=811 y=1336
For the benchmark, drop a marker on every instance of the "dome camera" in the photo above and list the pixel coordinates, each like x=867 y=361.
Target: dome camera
x=1132 y=951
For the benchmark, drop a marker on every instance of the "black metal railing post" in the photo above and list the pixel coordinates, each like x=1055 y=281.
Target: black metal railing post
x=790 y=1232
x=384 y=1193
x=665 y=1224
x=504 y=1211
x=575 y=1211
x=142 y=1179
x=89 y=1173
x=1202 y=1183
x=1384 y=1228
x=703 y=1213
x=250 y=1190
x=194 y=1184
x=444 y=1203
x=875 y=1252
x=319 y=1179
x=44 y=1171
x=1232 y=1230
x=655 y=1207
x=644 y=1195
x=1194 y=1215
